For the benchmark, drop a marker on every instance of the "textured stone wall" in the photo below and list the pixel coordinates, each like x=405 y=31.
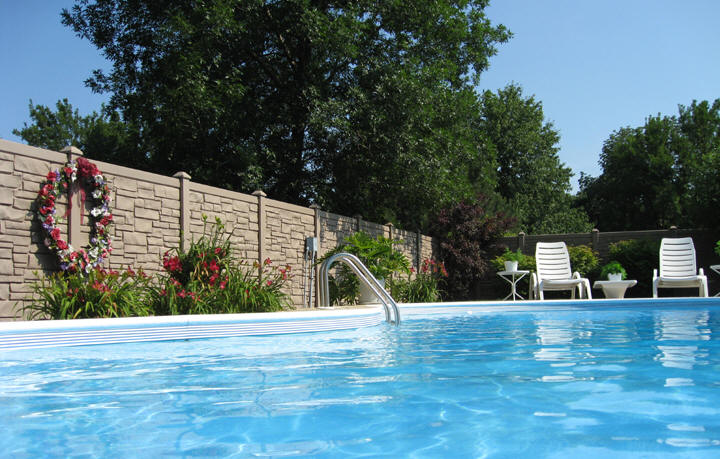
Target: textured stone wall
x=151 y=212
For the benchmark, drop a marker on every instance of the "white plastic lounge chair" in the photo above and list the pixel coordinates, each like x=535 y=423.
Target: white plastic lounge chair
x=553 y=272
x=677 y=267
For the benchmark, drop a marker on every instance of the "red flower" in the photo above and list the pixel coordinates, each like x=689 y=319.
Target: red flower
x=267 y=261
x=214 y=266
x=269 y=283
x=218 y=250
x=55 y=234
x=68 y=172
x=86 y=168
x=52 y=176
x=62 y=245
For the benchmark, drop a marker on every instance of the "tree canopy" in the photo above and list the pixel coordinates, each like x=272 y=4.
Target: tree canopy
x=530 y=175
x=660 y=174
x=362 y=106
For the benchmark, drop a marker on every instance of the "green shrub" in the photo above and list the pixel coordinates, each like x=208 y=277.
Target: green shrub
x=377 y=254
x=207 y=280
x=639 y=257
x=420 y=287
x=717 y=247
x=97 y=294
x=584 y=260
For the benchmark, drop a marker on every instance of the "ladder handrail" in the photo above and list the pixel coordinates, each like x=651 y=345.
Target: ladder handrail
x=392 y=314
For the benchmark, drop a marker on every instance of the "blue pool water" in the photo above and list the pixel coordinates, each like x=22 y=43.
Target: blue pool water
x=596 y=382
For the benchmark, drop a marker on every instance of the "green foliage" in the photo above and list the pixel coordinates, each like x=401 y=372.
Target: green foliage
x=377 y=254
x=639 y=257
x=422 y=287
x=525 y=262
x=530 y=175
x=468 y=233
x=612 y=267
x=97 y=294
x=206 y=279
x=660 y=174
x=717 y=248
x=363 y=107
x=584 y=260
x=100 y=136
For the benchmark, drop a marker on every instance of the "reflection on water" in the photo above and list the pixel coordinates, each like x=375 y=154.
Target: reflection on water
x=681 y=326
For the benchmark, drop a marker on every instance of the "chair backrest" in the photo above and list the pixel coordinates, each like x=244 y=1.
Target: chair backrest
x=552 y=261
x=677 y=257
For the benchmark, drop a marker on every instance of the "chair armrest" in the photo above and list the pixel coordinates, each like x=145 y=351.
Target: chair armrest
x=701 y=272
x=576 y=275
x=655 y=274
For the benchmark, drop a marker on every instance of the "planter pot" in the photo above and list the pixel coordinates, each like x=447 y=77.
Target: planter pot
x=615 y=276
x=511 y=266
x=367 y=296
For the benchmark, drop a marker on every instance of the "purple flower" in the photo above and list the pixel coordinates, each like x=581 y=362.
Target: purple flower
x=64 y=266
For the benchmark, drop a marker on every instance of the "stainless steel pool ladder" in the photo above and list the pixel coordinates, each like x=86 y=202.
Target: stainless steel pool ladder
x=392 y=314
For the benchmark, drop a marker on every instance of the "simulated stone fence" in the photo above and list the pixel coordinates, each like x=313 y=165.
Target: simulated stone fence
x=150 y=213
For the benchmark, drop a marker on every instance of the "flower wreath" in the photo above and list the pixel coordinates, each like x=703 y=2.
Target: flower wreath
x=84 y=174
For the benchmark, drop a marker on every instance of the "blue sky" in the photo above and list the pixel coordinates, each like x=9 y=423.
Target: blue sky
x=596 y=66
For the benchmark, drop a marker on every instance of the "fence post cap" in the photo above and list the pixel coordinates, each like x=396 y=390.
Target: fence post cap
x=259 y=193
x=182 y=175
x=73 y=150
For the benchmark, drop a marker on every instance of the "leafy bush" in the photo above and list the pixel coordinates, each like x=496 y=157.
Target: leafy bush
x=423 y=287
x=97 y=294
x=717 y=247
x=639 y=257
x=584 y=260
x=468 y=232
x=378 y=254
x=206 y=280
x=612 y=268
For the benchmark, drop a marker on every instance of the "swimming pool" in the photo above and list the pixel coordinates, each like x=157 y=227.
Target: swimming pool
x=611 y=379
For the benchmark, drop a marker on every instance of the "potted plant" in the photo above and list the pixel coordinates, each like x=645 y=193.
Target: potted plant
x=511 y=260
x=613 y=271
x=377 y=254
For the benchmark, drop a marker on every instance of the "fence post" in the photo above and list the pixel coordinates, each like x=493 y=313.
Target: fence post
x=316 y=208
x=358 y=222
x=418 y=249
x=184 y=179
x=595 y=238
x=521 y=241
x=261 y=228
x=74 y=200
x=390 y=229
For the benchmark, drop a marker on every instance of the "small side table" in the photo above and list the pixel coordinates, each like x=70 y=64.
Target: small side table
x=716 y=268
x=614 y=289
x=513 y=277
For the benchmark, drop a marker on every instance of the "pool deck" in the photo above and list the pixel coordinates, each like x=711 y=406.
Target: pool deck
x=60 y=333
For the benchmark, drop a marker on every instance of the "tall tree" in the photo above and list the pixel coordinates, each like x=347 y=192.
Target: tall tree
x=99 y=135
x=660 y=174
x=310 y=100
x=531 y=176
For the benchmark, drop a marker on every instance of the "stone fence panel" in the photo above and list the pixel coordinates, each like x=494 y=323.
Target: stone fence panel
x=153 y=214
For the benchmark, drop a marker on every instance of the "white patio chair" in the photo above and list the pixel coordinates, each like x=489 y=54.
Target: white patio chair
x=677 y=267
x=552 y=261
